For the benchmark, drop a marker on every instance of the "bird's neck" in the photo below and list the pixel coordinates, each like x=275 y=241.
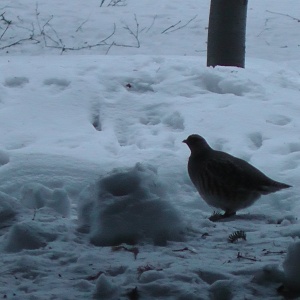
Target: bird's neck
x=201 y=153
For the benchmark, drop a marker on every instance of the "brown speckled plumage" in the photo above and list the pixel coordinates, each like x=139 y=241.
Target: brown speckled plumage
x=225 y=181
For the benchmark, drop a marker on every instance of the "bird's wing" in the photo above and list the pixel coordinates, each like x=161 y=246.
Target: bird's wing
x=235 y=173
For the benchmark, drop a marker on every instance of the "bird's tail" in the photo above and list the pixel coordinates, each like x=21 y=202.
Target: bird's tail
x=274 y=187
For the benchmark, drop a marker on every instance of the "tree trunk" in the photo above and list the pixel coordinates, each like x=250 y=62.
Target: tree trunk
x=227 y=33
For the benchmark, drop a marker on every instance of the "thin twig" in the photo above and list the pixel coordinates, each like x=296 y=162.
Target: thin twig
x=58 y=42
x=31 y=38
x=267 y=252
x=117 y=3
x=7 y=22
x=285 y=15
x=135 y=34
x=4 y=19
x=186 y=24
x=239 y=255
x=7 y=26
x=110 y=46
x=265 y=27
x=80 y=26
x=43 y=33
x=154 y=18
x=185 y=249
x=49 y=36
x=172 y=26
x=180 y=27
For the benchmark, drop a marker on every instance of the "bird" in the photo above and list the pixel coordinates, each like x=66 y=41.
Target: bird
x=224 y=181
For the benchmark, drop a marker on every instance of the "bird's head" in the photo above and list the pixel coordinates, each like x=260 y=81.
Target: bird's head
x=197 y=144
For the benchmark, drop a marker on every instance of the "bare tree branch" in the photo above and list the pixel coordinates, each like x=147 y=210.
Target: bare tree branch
x=180 y=27
x=134 y=34
x=80 y=26
x=114 y=3
x=31 y=38
x=172 y=26
x=3 y=33
x=4 y=19
x=117 y=3
x=43 y=31
x=153 y=21
x=285 y=15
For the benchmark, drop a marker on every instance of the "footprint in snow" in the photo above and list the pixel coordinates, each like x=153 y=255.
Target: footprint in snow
x=139 y=87
x=13 y=82
x=279 y=120
x=294 y=147
x=59 y=82
x=256 y=139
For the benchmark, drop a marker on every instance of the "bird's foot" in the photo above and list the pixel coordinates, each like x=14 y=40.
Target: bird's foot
x=228 y=214
x=216 y=216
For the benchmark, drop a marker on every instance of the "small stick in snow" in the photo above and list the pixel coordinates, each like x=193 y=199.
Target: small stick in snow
x=239 y=255
x=267 y=252
x=185 y=249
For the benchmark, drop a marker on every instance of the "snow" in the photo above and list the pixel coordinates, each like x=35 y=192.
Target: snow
x=291 y=267
x=121 y=206
x=91 y=152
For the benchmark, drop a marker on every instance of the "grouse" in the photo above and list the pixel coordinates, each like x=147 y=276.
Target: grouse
x=224 y=181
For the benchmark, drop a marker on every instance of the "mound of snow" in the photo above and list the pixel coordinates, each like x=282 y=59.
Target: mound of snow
x=8 y=207
x=291 y=267
x=27 y=235
x=128 y=205
x=4 y=158
x=222 y=290
x=36 y=195
x=60 y=202
x=105 y=289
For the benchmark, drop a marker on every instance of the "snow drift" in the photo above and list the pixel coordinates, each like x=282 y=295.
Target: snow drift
x=126 y=206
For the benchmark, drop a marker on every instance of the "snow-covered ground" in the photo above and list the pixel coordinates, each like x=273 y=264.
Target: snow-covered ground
x=91 y=152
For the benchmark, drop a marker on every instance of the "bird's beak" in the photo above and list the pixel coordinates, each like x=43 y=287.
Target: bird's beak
x=184 y=141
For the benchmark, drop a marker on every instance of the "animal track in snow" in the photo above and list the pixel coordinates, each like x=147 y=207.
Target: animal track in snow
x=153 y=114
x=20 y=144
x=150 y=122
x=156 y=115
x=279 y=120
x=139 y=87
x=16 y=81
x=4 y=158
x=294 y=147
x=95 y=116
x=288 y=148
x=256 y=139
x=61 y=83
x=174 y=120
x=150 y=119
